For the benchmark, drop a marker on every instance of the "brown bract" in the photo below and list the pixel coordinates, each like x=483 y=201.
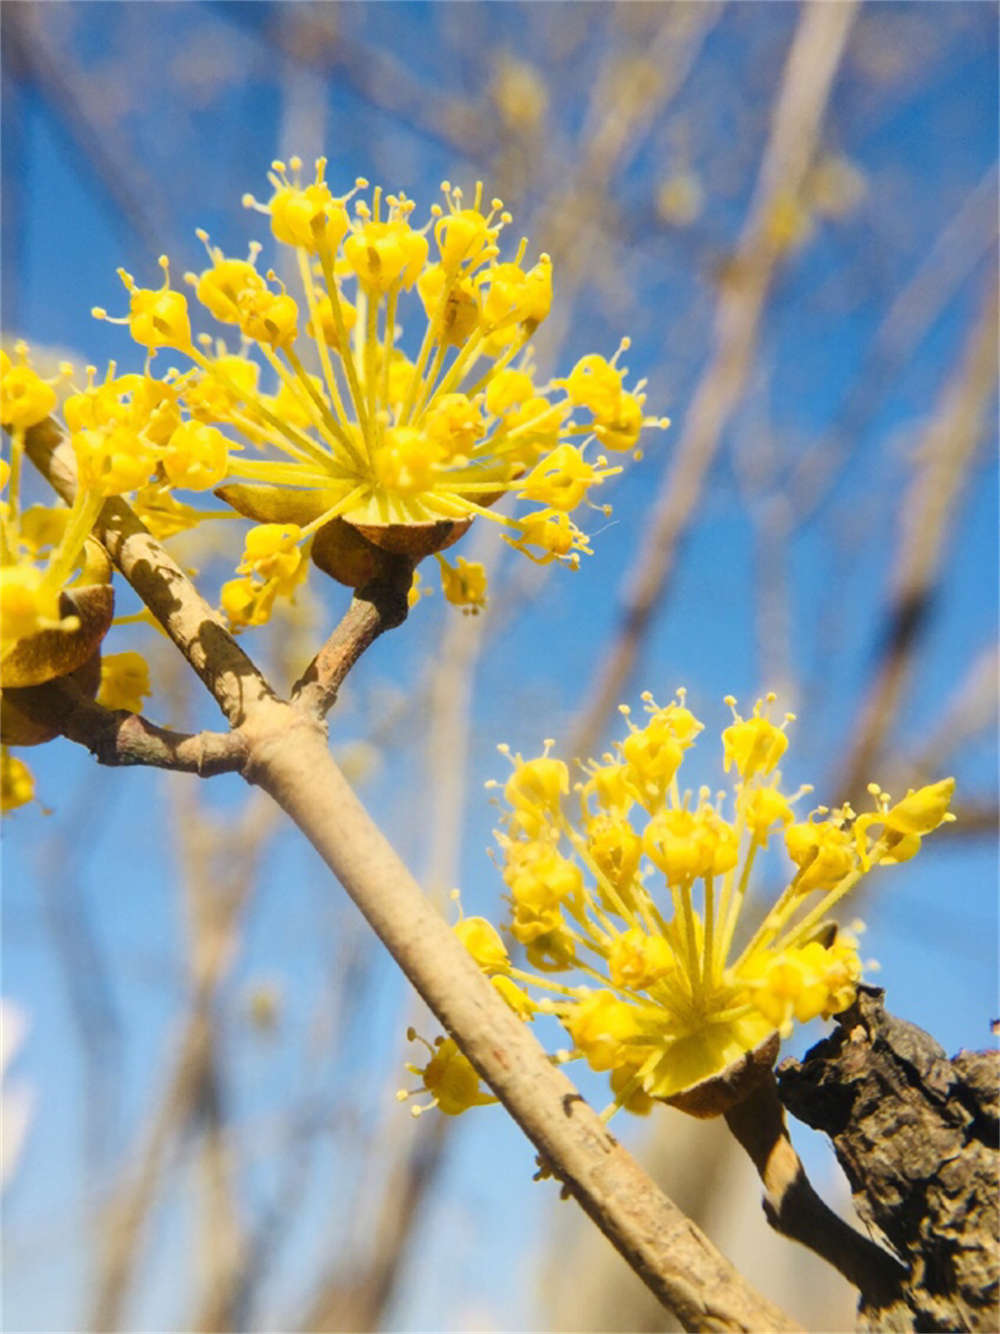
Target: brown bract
x=334 y=551
x=415 y=540
x=29 y=716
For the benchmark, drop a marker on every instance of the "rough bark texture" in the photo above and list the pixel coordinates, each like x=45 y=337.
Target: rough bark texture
x=917 y=1135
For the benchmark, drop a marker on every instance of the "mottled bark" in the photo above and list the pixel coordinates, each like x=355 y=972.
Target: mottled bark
x=917 y=1135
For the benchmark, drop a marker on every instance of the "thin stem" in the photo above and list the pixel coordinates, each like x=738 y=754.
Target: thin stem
x=794 y=1209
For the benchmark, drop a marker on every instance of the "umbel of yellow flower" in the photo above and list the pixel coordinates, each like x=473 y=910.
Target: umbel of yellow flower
x=56 y=600
x=405 y=447
x=632 y=914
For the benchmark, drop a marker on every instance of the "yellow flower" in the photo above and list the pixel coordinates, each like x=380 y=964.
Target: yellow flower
x=602 y=1027
x=448 y=1077
x=645 y=896
x=17 y=786
x=28 y=603
x=112 y=460
x=196 y=456
x=25 y=398
x=766 y=807
x=273 y=565
x=483 y=942
x=653 y=753
x=464 y=584
x=686 y=844
x=44 y=553
x=905 y=824
x=124 y=681
x=595 y=383
x=754 y=745
x=226 y=286
x=636 y=960
x=156 y=318
x=308 y=216
x=537 y=786
x=824 y=853
x=384 y=255
x=423 y=441
x=615 y=848
x=563 y=479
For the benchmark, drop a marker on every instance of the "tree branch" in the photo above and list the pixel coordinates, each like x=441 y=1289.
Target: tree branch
x=378 y=606
x=197 y=630
x=917 y=1137
x=119 y=738
x=808 y=78
x=794 y=1209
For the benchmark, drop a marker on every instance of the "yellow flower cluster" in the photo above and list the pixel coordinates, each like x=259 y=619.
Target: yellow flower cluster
x=642 y=897
x=39 y=547
x=56 y=599
x=406 y=450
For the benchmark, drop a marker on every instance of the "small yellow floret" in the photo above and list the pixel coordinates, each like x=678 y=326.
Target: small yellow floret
x=464 y=584
x=25 y=398
x=637 y=959
x=765 y=808
x=904 y=825
x=563 y=478
x=115 y=459
x=537 y=785
x=685 y=844
x=506 y=389
x=460 y=315
x=556 y=536
x=754 y=745
x=308 y=217
x=226 y=286
x=157 y=318
x=196 y=456
x=28 y=603
x=124 y=681
x=482 y=940
x=17 y=786
x=451 y=1080
x=922 y=811
x=270 y=318
x=602 y=1028
x=513 y=298
x=596 y=384
x=271 y=551
x=384 y=254
x=463 y=237
x=616 y=850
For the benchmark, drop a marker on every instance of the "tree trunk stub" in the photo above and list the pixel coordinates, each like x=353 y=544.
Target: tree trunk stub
x=917 y=1136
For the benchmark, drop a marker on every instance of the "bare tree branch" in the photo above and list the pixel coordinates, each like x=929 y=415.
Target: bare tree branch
x=198 y=631
x=810 y=70
x=943 y=460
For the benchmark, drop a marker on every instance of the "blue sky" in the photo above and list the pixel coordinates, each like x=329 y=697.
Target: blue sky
x=932 y=925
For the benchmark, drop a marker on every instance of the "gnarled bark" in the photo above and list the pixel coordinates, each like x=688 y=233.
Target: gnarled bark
x=917 y=1135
